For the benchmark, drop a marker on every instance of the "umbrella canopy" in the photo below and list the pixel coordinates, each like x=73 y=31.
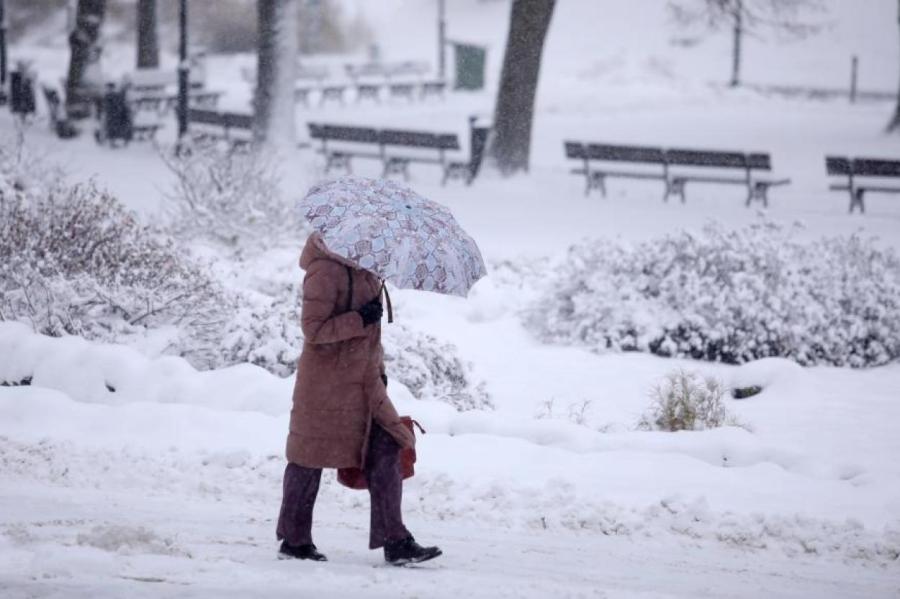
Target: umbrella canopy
x=395 y=233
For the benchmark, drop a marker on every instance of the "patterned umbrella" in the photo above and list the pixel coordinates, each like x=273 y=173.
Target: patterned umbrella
x=395 y=233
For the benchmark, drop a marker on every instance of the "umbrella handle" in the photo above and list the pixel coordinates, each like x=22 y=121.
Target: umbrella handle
x=387 y=298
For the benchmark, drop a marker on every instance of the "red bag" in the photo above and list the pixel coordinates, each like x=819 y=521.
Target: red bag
x=356 y=479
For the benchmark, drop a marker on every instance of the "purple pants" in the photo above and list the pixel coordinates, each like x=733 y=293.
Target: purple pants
x=382 y=471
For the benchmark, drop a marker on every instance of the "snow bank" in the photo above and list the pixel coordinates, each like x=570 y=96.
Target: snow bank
x=221 y=433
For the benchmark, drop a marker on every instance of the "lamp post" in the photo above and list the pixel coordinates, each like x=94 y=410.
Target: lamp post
x=183 y=70
x=442 y=38
x=2 y=52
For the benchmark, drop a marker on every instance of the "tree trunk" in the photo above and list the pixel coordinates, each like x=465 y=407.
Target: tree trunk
x=147 y=40
x=276 y=72
x=894 y=123
x=85 y=50
x=510 y=143
x=736 y=49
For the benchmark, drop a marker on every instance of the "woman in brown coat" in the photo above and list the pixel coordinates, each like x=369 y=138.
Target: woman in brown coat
x=342 y=416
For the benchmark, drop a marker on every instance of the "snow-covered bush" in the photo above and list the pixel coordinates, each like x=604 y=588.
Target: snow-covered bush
x=432 y=369
x=731 y=296
x=264 y=330
x=74 y=261
x=229 y=197
x=684 y=402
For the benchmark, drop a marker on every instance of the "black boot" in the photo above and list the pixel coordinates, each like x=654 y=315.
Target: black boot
x=407 y=551
x=300 y=552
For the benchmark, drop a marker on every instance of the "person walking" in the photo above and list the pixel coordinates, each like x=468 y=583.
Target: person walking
x=342 y=416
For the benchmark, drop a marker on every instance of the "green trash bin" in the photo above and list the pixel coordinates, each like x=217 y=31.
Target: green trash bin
x=470 y=64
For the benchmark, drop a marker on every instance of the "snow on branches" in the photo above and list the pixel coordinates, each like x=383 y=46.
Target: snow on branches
x=228 y=196
x=74 y=261
x=730 y=296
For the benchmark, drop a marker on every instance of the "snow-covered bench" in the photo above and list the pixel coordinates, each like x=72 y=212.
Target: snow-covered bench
x=432 y=88
x=352 y=142
x=595 y=178
x=675 y=167
x=164 y=102
x=159 y=80
x=233 y=127
x=400 y=80
x=397 y=149
x=739 y=169
x=873 y=170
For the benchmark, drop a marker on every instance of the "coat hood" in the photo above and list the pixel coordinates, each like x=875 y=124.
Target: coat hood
x=315 y=249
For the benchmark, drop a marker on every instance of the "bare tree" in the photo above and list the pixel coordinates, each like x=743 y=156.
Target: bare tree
x=747 y=17
x=510 y=143
x=277 y=48
x=84 y=42
x=894 y=123
x=147 y=39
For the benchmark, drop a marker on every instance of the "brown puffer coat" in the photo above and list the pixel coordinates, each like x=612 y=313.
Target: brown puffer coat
x=338 y=390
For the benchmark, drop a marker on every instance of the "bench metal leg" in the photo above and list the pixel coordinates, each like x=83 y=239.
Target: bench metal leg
x=675 y=187
x=396 y=167
x=456 y=171
x=338 y=162
x=597 y=181
x=857 y=199
x=758 y=191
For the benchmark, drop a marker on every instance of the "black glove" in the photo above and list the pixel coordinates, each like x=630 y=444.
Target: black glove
x=371 y=312
x=384 y=379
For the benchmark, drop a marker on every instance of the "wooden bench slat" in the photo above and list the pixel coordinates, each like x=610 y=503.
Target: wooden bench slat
x=709 y=158
x=705 y=179
x=838 y=165
x=625 y=153
x=625 y=174
x=759 y=161
x=873 y=167
x=354 y=134
x=575 y=150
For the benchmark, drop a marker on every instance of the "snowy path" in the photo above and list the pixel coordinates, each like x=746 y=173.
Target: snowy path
x=224 y=547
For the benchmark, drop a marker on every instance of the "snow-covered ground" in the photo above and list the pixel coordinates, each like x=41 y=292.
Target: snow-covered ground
x=124 y=472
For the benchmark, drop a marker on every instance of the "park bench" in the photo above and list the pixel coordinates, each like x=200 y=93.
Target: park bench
x=157 y=81
x=233 y=127
x=401 y=147
x=332 y=91
x=370 y=78
x=202 y=98
x=309 y=78
x=739 y=169
x=163 y=102
x=402 y=90
x=354 y=142
x=397 y=149
x=595 y=178
x=368 y=90
x=432 y=88
x=674 y=167
x=873 y=171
